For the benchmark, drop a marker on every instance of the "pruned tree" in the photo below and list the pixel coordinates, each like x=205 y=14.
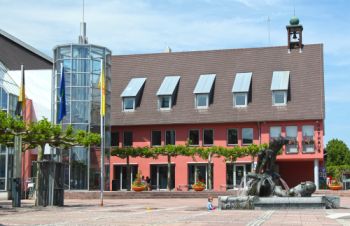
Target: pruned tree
x=131 y=152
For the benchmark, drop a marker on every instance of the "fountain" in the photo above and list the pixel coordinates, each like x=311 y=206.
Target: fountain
x=266 y=189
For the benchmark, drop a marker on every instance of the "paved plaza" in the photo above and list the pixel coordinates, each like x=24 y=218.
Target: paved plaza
x=163 y=212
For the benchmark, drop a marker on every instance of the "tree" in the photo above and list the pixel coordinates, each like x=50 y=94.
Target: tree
x=172 y=151
x=337 y=153
x=126 y=153
x=338 y=158
x=208 y=154
x=38 y=134
x=44 y=132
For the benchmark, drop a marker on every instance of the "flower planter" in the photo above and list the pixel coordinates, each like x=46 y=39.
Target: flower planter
x=335 y=187
x=198 y=188
x=138 y=189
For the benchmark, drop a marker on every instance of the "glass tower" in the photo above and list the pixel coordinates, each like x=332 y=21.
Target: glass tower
x=82 y=68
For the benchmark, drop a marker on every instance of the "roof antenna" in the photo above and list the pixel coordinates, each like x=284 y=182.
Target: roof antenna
x=268 y=30
x=82 y=37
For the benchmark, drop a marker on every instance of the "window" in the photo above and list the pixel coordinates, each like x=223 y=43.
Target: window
x=240 y=99
x=156 y=138
x=128 y=104
x=279 y=98
x=167 y=92
x=308 y=131
x=279 y=87
x=114 y=139
x=241 y=88
x=247 y=135
x=275 y=132
x=232 y=137
x=170 y=137
x=194 y=137
x=292 y=135
x=165 y=102
x=204 y=90
x=291 y=131
x=308 y=139
x=202 y=100
x=127 y=139
x=208 y=137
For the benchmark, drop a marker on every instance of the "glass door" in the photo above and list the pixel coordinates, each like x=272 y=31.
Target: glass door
x=120 y=182
x=159 y=176
x=198 y=172
x=236 y=175
x=239 y=174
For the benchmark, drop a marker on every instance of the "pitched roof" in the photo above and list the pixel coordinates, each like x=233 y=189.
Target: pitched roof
x=14 y=52
x=306 y=84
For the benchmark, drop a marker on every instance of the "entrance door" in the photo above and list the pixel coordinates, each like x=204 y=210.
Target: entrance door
x=120 y=181
x=235 y=174
x=198 y=172
x=239 y=172
x=159 y=176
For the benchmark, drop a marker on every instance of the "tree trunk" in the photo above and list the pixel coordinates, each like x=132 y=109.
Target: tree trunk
x=128 y=173
x=209 y=172
x=169 y=173
x=38 y=195
x=252 y=167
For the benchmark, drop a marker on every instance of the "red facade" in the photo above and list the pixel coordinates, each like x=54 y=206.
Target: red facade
x=293 y=167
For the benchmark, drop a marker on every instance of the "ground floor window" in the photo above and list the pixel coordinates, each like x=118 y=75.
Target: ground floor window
x=120 y=181
x=159 y=176
x=236 y=174
x=199 y=172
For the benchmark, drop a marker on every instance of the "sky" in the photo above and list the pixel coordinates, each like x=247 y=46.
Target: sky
x=149 y=26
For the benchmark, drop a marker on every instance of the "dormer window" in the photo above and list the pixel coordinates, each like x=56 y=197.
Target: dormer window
x=132 y=94
x=165 y=102
x=241 y=89
x=279 y=88
x=167 y=92
x=202 y=101
x=129 y=104
x=204 y=91
x=279 y=98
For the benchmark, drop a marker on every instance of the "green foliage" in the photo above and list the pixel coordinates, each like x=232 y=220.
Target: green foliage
x=337 y=153
x=337 y=171
x=230 y=154
x=137 y=182
x=9 y=127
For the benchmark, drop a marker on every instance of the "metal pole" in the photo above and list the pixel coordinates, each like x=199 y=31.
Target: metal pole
x=102 y=140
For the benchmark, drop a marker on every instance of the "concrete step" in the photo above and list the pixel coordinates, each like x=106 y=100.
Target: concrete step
x=79 y=194
x=144 y=194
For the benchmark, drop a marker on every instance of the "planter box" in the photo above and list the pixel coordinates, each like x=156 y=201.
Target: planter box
x=291 y=148
x=198 y=188
x=308 y=148
x=335 y=187
x=138 y=188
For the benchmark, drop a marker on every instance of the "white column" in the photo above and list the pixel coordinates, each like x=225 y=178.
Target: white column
x=316 y=170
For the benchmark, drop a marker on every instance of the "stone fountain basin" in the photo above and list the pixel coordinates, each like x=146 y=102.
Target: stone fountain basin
x=254 y=202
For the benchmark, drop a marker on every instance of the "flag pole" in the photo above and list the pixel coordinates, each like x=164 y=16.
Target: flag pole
x=102 y=134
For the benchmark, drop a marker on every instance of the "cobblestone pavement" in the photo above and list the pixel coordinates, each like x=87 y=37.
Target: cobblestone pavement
x=163 y=212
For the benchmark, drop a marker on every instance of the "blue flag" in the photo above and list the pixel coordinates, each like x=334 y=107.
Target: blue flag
x=62 y=95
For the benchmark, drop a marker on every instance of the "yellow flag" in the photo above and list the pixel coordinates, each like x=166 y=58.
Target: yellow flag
x=102 y=86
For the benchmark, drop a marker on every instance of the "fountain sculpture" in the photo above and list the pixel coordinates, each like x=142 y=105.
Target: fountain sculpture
x=266 y=189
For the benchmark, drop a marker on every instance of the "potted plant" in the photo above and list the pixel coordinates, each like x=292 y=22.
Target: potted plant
x=335 y=185
x=138 y=185
x=198 y=186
